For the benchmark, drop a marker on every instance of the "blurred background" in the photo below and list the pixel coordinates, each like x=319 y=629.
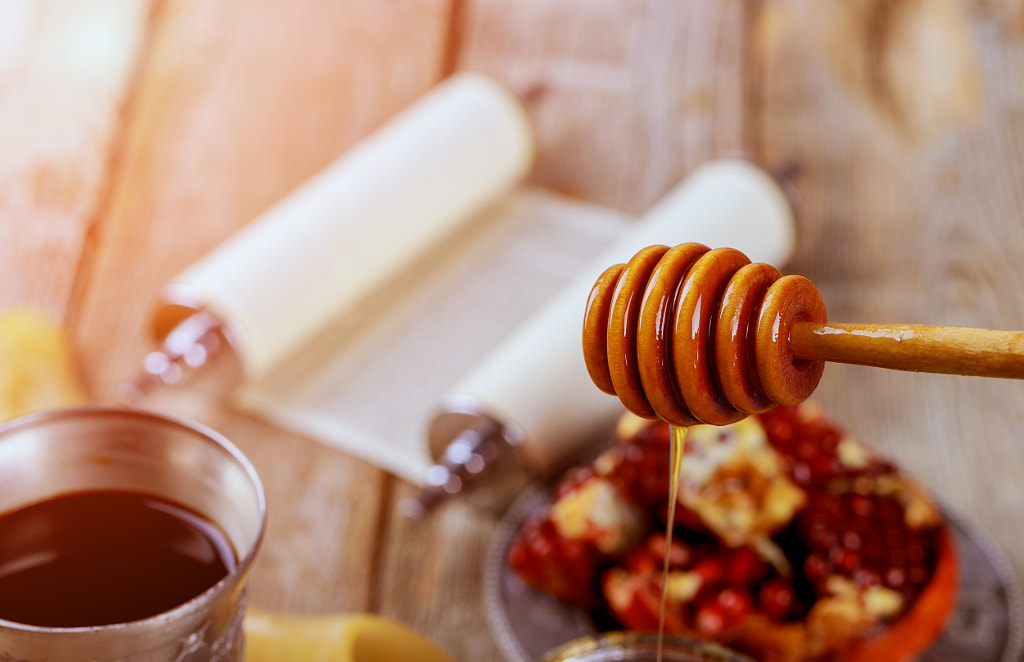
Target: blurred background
x=135 y=136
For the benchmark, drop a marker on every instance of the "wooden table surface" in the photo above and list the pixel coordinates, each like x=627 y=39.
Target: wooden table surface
x=134 y=136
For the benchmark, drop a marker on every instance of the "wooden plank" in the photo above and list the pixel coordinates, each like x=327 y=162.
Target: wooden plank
x=910 y=161
x=432 y=575
x=627 y=97
x=237 y=104
x=65 y=68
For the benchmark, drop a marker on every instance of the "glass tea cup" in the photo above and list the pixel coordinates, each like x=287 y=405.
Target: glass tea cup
x=640 y=647
x=98 y=449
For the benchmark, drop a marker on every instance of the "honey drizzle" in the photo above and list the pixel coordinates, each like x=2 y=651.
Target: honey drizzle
x=676 y=444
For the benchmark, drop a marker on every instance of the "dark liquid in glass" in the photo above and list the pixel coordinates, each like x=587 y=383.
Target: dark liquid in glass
x=103 y=557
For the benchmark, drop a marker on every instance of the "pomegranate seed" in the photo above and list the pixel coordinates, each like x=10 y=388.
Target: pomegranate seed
x=518 y=555
x=736 y=605
x=711 y=571
x=680 y=554
x=821 y=467
x=779 y=430
x=822 y=538
x=574 y=551
x=540 y=545
x=894 y=578
x=830 y=440
x=894 y=538
x=863 y=525
x=851 y=540
x=806 y=449
x=889 y=512
x=641 y=562
x=817 y=568
x=801 y=474
x=918 y=575
x=897 y=558
x=745 y=567
x=867 y=578
x=846 y=560
x=874 y=551
x=777 y=599
x=916 y=552
x=710 y=617
x=656 y=433
x=861 y=505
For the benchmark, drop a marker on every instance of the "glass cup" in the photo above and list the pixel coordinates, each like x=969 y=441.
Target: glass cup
x=109 y=448
x=641 y=647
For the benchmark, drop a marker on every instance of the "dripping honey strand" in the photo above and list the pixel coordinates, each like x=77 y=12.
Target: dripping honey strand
x=677 y=443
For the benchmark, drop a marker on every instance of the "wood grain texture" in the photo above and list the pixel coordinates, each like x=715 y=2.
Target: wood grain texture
x=949 y=350
x=901 y=120
x=237 y=104
x=65 y=70
x=627 y=96
x=919 y=226
x=431 y=575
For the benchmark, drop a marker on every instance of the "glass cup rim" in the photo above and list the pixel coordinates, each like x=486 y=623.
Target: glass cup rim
x=626 y=638
x=202 y=432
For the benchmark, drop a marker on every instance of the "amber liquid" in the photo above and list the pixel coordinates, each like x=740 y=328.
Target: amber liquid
x=97 y=558
x=677 y=443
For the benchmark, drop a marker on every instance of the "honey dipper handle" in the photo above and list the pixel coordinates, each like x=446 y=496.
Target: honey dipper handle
x=917 y=348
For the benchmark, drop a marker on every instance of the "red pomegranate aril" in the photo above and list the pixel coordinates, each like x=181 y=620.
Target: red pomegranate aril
x=680 y=555
x=821 y=467
x=821 y=537
x=889 y=512
x=801 y=473
x=918 y=575
x=745 y=567
x=656 y=433
x=574 y=551
x=830 y=439
x=710 y=618
x=845 y=560
x=518 y=555
x=897 y=557
x=851 y=540
x=861 y=505
x=777 y=599
x=863 y=525
x=817 y=568
x=895 y=578
x=778 y=428
x=916 y=552
x=642 y=562
x=711 y=571
x=736 y=605
x=807 y=449
x=895 y=538
x=874 y=552
x=864 y=577
x=540 y=545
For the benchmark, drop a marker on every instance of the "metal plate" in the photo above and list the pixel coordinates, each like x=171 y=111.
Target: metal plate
x=987 y=625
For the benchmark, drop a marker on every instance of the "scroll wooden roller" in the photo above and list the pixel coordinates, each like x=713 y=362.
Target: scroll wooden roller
x=694 y=335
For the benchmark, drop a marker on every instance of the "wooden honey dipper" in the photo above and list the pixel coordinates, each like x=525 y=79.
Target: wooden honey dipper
x=694 y=335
